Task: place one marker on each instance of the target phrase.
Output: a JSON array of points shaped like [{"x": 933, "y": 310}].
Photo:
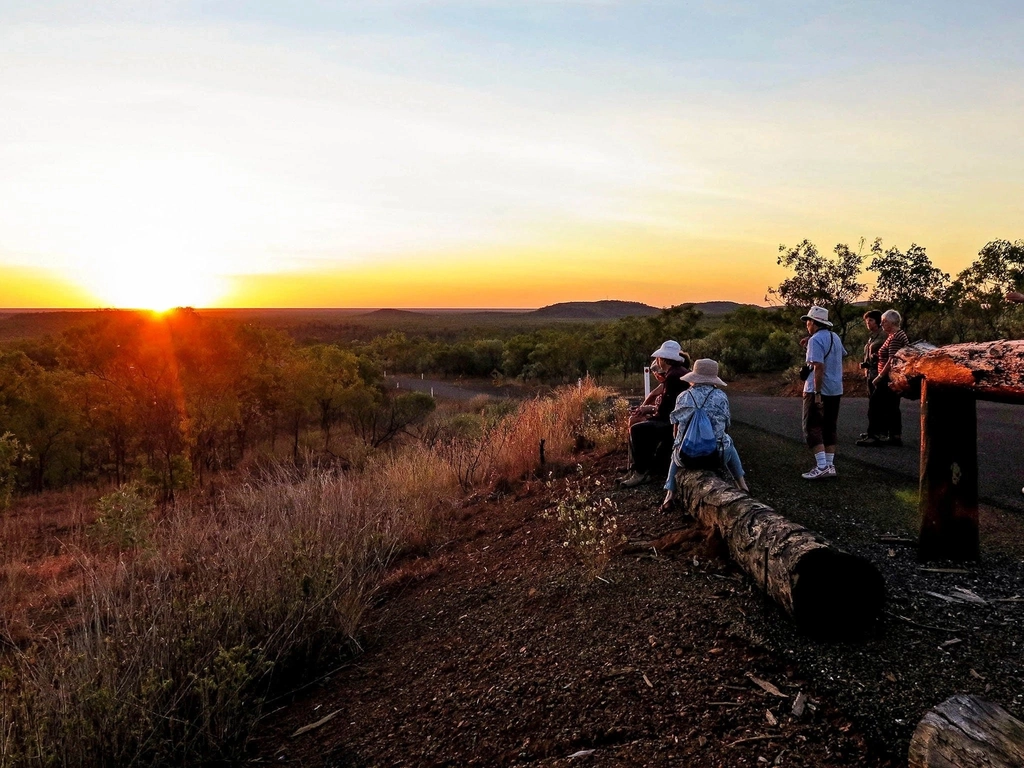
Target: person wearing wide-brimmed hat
[
  {"x": 650, "y": 439},
  {"x": 704, "y": 393},
  {"x": 823, "y": 390}
]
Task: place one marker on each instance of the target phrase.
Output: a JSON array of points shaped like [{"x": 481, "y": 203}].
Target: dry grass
[{"x": 174, "y": 633}]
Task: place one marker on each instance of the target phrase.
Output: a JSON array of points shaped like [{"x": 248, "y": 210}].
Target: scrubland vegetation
[{"x": 175, "y": 629}]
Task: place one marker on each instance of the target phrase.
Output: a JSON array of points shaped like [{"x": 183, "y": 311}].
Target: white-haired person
[
  {"x": 704, "y": 394},
  {"x": 650, "y": 439},
  {"x": 823, "y": 390},
  {"x": 884, "y": 402}
]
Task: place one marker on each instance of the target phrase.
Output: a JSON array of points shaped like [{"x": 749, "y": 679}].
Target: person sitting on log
[
  {"x": 884, "y": 403},
  {"x": 650, "y": 439},
  {"x": 704, "y": 394},
  {"x": 823, "y": 390}
]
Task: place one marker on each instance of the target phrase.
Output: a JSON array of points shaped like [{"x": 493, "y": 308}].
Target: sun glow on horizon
[{"x": 158, "y": 287}]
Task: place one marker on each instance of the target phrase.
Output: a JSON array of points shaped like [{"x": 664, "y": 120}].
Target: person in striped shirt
[{"x": 884, "y": 403}]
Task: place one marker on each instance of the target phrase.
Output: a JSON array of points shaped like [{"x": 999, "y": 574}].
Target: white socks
[
  {"x": 829, "y": 458},
  {"x": 820, "y": 457}
]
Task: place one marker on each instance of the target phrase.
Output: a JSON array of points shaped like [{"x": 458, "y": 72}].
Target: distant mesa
[
  {"x": 716, "y": 308},
  {"x": 394, "y": 314},
  {"x": 596, "y": 310}
]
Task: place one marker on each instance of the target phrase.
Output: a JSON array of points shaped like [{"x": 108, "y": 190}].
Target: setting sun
[{"x": 158, "y": 287}]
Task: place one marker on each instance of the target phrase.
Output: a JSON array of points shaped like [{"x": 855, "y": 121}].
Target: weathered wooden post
[
  {"x": 949, "y": 474},
  {"x": 952, "y": 379}
]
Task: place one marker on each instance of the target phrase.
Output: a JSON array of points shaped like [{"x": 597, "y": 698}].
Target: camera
[{"x": 805, "y": 372}]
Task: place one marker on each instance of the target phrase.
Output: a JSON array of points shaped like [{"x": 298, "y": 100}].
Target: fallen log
[
  {"x": 965, "y": 731},
  {"x": 827, "y": 592},
  {"x": 990, "y": 371}
]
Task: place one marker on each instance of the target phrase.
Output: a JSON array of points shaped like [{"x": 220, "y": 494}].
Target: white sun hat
[
  {"x": 704, "y": 371},
  {"x": 670, "y": 350},
  {"x": 818, "y": 315}
]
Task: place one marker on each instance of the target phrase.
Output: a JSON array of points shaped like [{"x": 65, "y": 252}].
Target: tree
[
  {"x": 832, "y": 283},
  {"x": 907, "y": 281},
  {"x": 332, "y": 372},
  {"x": 978, "y": 291}
]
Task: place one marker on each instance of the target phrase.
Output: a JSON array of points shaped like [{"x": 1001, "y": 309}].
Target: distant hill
[
  {"x": 595, "y": 310},
  {"x": 716, "y": 308},
  {"x": 394, "y": 314}
]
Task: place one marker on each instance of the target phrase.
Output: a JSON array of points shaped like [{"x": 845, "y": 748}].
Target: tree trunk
[
  {"x": 966, "y": 731},
  {"x": 828, "y": 592}
]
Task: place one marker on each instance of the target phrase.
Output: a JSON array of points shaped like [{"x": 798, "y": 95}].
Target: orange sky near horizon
[{"x": 421, "y": 155}]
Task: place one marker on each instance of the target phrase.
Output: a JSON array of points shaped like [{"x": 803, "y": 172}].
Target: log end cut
[
  {"x": 836, "y": 595},
  {"x": 966, "y": 731}
]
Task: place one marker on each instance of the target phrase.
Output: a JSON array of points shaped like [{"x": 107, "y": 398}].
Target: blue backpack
[{"x": 699, "y": 440}]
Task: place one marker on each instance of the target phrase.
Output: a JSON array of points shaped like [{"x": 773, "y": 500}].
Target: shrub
[
  {"x": 589, "y": 521},
  {"x": 123, "y": 518}
]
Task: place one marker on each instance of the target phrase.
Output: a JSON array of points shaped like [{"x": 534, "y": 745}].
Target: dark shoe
[{"x": 872, "y": 442}]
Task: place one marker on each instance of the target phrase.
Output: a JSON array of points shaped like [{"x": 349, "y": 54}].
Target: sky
[{"x": 423, "y": 153}]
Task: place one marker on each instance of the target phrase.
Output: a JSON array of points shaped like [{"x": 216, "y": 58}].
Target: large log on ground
[
  {"x": 966, "y": 731},
  {"x": 991, "y": 371},
  {"x": 828, "y": 592}
]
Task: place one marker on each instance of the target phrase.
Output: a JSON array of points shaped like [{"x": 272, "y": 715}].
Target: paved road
[
  {"x": 443, "y": 389},
  {"x": 1000, "y": 443}
]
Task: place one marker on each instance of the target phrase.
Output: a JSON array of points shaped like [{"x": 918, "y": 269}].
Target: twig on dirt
[
  {"x": 313, "y": 726},
  {"x": 950, "y": 628},
  {"x": 897, "y": 540},
  {"x": 941, "y": 570},
  {"x": 725, "y": 703},
  {"x": 756, "y": 738},
  {"x": 767, "y": 687}
]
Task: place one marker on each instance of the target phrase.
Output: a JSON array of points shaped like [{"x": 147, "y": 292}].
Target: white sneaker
[
  {"x": 832, "y": 470},
  {"x": 819, "y": 473}
]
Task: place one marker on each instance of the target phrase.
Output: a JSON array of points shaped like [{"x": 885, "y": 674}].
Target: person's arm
[
  {"x": 819, "y": 380},
  {"x": 818, "y": 368},
  {"x": 648, "y": 407},
  {"x": 1015, "y": 296}
]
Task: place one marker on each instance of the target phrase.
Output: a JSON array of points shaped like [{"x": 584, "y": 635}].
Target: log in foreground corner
[
  {"x": 966, "y": 731},
  {"x": 828, "y": 592}
]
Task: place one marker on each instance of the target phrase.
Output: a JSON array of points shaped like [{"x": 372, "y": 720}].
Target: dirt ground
[{"x": 501, "y": 648}]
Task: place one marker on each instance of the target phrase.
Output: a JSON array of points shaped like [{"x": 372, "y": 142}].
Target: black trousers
[
  {"x": 650, "y": 446},
  {"x": 884, "y": 416}
]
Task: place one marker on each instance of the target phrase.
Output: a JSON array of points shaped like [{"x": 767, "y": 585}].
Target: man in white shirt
[{"x": 823, "y": 390}]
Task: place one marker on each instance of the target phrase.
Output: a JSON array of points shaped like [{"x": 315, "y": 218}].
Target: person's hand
[
  {"x": 804, "y": 340},
  {"x": 1015, "y": 296}
]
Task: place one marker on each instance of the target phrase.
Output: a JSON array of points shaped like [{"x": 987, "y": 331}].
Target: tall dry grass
[{"x": 173, "y": 647}]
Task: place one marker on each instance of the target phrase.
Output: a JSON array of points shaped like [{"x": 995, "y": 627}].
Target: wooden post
[{"x": 949, "y": 473}]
